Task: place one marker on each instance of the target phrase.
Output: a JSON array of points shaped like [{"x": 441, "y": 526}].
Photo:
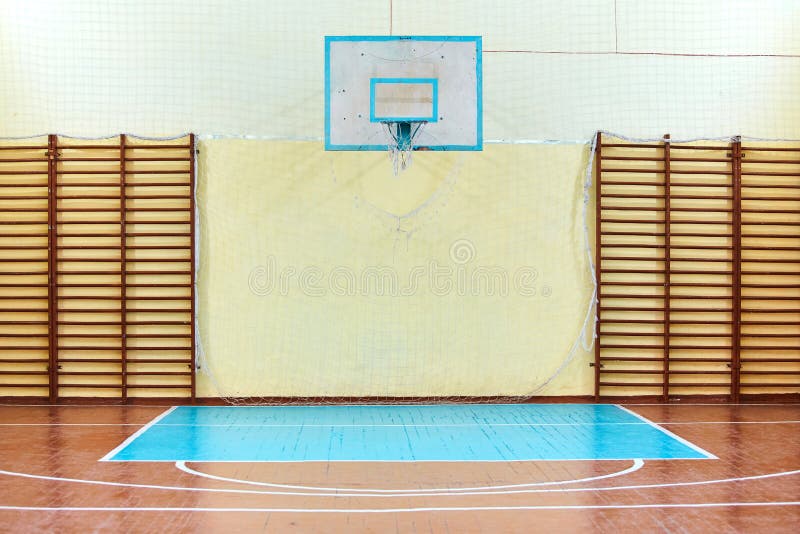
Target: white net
[
  {"x": 317, "y": 275},
  {"x": 401, "y": 139}
]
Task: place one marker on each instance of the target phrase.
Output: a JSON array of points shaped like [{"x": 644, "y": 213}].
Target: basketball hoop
[{"x": 401, "y": 136}]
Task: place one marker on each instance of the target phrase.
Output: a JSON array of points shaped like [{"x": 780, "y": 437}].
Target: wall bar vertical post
[
  {"x": 667, "y": 256},
  {"x": 597, "y": 240},
  {"x": 123, "y": 305},
  {"x": 736, "y": 293},
  {"x": 193, "y": 262},
  {"x": 52, "y": 265}
]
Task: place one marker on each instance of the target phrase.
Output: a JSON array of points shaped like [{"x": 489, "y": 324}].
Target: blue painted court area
[{"x": 507, "y": 432}]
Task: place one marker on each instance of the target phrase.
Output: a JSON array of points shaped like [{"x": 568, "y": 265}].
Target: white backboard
[{"x": 371, "y": 80}]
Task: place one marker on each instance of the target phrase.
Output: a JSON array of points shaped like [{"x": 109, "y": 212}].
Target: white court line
[
  {"x": 712, "y": 403},
  {"x": 789, "y": 422},
  {"x": 402, "y": 510},
  {"x": 417, "y": 460},
  {"x": 675, "y": 404},
  {"x": 72, "y": 424},
  {"x": 135, "y": 435},
  {"x": 262, "y": 492},
  {"x": 524, "y": 405},
  {"x": 670, "y": 434},
  {"x": 786, "y": 422},
  {"x": 354, "y": 425},
  {"x": 457, "y": 425},
  {"x": 637, "y": 464},
  {"x": 85, "y": 406}
]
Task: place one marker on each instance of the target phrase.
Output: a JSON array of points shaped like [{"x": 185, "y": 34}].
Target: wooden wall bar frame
[
  {"x": 89, "y": 184},
  {"x": 123, "y": 311},
  {"x": 667, "y": 269},
  {"x": 736, "y": 297},
  {"x": 52, "y": 266},
  {"x": 598, "y": 156},
  {"x": 706, "y": 305}
]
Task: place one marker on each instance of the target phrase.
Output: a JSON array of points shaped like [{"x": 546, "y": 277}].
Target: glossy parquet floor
[{"x": 51, "y": 480}]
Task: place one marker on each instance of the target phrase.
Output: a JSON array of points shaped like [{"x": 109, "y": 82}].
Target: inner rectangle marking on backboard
[{"x": 403, "y": 99}]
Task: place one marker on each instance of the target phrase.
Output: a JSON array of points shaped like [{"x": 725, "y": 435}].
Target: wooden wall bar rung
[
  {"x": 23, "y": 147},
  {"x": 757, "y": 148},
  {"x": 159, "y": 184},
  {"x": 617, "y": 182},
  {"x": 161, "y": 360},
  {"x": 630, "y": 171}
]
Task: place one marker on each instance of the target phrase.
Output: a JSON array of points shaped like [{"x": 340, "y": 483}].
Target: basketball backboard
[{"x": 375, "y": 81}]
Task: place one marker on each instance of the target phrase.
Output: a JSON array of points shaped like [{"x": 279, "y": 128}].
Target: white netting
[
  {"x": 552, "y": 69},
  {"x": 247, "y": 77}
]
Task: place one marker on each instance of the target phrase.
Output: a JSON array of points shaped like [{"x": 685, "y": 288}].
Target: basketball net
[{"x": 401, "y": 137}]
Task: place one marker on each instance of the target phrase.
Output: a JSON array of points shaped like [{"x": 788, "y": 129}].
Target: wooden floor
[{"x": 51, "y": 480}]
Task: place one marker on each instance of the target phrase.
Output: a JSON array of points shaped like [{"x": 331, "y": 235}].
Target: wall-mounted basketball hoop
[{"x": 403, "y": 94}]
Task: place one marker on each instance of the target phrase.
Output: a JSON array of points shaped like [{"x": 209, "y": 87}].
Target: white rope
[
  {"x": 664, "y": 139},
  {"x": 766, "y": 139},
  {"x": 534, "y": 141},
  {"x": 311, "y": 138},
  {"x": 200, "y": 361},
  {"x": 99, "y": 137},
  {"x": 729, "y": 138}
]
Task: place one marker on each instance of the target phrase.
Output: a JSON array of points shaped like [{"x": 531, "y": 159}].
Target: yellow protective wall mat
[{"x": 322, "y": 274}]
